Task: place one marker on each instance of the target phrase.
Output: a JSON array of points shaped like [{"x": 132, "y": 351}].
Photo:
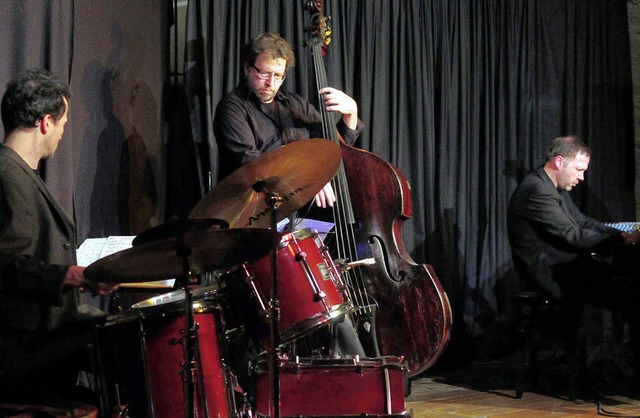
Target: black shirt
[{"x": 246, "y": 128}]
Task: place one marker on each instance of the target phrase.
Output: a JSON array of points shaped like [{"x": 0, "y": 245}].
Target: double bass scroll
[{"x": 412, "y": 314}]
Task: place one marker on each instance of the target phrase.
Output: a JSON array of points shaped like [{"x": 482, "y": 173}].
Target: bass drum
[
  {"x": 324, "y": 387},
  {"x": 140, "y": 359}
]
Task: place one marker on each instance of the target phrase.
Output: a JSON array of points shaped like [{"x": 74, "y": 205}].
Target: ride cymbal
[
  {"x": 295, "y": 173},
  {"x": 205, "y": 250}
]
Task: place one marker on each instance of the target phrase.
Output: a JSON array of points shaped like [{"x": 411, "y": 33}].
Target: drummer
[
  {"x": 260, "y": 115},
  {"x": 43, "y": 337}
]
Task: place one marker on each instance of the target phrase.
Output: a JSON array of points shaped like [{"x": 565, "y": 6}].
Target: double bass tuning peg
[{"x": 326, "y": 31}]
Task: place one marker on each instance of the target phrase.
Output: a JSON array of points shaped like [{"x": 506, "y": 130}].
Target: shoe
[
  {"x": 583, "y": 400},
  {"x": 584, "y": 396}
]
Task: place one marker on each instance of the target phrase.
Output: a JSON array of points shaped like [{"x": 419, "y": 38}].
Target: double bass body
[{"x": 413, "y": 312}]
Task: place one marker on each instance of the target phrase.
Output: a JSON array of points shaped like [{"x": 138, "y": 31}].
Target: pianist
[{"x": 553, "y": 243}]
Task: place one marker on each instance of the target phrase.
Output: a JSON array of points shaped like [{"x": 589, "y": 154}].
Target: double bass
[{"x": 400, "y": 304}]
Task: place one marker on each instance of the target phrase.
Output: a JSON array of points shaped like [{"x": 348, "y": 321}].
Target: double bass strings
[{"x": 342, "y": 212}]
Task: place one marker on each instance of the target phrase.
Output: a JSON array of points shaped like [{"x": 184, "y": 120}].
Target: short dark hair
[
  {"x": 32, "y": 95},
  {"x": 567, "y": 147},
  {"x": 271, "y": 43}
]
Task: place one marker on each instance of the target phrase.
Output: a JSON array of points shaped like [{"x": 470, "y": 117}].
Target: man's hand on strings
[
  {"x": 325, "y": 197},
  {"x": 338, "y": 101}
]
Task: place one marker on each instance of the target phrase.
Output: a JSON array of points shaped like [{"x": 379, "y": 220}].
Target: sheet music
[
  {"x": 90, "y": 250},
  {"x": 116, "y": 243},
  {"x": 93, "y": 249},
  {"x": 321, "y": 227}
]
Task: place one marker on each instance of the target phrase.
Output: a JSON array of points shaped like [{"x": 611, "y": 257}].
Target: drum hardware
[
  {"x": 180, "y": 250},
  {"x": 265, "y": 191},
  {"x": 364, "y": 262},
  {"x": 183, "y": 252},
  {"x": 150, "y": 372},
  {"x": 251, "y": 281},
  {"x": 318, "y": 294},
  {"x": 147, "y": 373},
  {"x": 120, "y": 411},
  {"x": 273, "y": 201},
  {"x": 274, "y": 185}
]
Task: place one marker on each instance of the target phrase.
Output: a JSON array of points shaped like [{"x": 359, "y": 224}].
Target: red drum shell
[
  {"x": 336, "y": 387},
  {"x": 305, "y": 270},
  {"x": 141, "y": 356}
]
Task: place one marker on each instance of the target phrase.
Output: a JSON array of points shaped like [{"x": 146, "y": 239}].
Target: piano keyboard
[{"x": 624, "y": 226}]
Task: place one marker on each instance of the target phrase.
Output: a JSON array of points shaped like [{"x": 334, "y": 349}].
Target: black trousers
[
  {"x": 603, "y": 284},
  {"x": 43, "y": 369}
]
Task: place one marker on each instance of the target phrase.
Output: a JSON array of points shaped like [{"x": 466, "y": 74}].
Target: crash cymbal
[
  {"x": 207, "y": 250},
  {"x": 295, "y": 172},
  {"x": 175, "y": 227}
]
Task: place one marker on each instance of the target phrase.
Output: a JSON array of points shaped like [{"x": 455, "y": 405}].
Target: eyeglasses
[{"x": 266, "y": 75}]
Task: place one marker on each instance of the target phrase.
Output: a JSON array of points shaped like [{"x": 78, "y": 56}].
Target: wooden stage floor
[
  {"x": 431, "y": 398},
  {"x": 486, "y": 391}
]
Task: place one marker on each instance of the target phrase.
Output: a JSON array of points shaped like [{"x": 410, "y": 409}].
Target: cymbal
[
  {"x": 207, "y": 250},
  {"x": 295, "y": 172},
  {"x": 175, "y": 227}
]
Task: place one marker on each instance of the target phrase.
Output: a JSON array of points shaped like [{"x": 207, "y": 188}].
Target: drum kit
[{"x": 167, "y": 356}]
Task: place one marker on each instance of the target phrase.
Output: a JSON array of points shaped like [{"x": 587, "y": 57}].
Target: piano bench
[{"x": 540, "y": 322}]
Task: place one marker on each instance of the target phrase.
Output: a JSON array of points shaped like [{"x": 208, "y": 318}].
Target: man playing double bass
[{"x": 260, "y": 116}]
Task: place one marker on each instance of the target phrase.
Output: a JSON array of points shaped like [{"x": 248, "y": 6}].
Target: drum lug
[
  {"x": 121, "y": 411},
  {"x": 249, "y": 279},
  {"x": 301, "y": 256},
  {"x": 319, "y": 296}
]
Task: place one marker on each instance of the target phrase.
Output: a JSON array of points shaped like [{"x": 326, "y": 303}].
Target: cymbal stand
[
  {"x": 273, "y": 201},
  {"x": 190, "y": 333}
]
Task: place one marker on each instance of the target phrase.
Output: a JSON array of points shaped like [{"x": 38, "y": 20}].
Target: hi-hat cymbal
[
  {"x": 295, "y": 172},
  {"x": 205, "y": 250},
  {"x": 177, "y": 227}
]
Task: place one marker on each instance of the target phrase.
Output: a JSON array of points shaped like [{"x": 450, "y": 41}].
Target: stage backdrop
[
  {"x": 461, "y": 96},
  {"x": 109, "y": 168}
]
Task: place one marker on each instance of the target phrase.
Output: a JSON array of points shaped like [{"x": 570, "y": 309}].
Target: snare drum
[
  {"x": 200, "y": 293},
  {"x": 141, "y": 357},
  {"x": 322, "y": 387},
  {"x": 310, "y": 289}
]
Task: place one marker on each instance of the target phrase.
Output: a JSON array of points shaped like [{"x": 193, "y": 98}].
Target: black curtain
[
  {"x": 39, "y": 33},
  {"x": 462, "y": 97}
]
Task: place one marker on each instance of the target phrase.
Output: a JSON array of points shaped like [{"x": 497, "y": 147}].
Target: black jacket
[
  {"x": 546, "y": 229},
  {"x": 37, "y": 244}
]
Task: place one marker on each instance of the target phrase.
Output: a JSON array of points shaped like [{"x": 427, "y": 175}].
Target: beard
[{"x": 266, "y": 95}]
